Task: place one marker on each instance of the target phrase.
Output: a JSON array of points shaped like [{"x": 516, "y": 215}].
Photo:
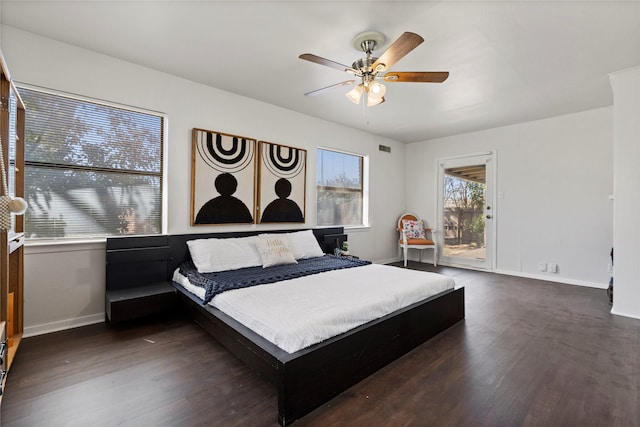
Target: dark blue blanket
[{"x": 215, "y": 283}]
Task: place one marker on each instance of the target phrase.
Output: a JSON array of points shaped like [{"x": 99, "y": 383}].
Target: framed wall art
[
  {"x": 281, "y": 183},
  {"x": 223, "y": 175}
]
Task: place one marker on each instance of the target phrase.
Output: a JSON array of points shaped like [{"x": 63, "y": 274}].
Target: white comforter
[{"x": 294, "y": 314}]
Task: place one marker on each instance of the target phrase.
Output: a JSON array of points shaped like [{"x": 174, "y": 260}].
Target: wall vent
[{"x": 384, "y": 148}]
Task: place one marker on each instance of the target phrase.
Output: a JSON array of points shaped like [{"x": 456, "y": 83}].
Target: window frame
[
  {"x": 364, "y": 177},
  {"x": 162, "y": 175}
]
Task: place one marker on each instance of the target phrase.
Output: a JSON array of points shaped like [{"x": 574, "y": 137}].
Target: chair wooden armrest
[{"x": 403, "y": 235}]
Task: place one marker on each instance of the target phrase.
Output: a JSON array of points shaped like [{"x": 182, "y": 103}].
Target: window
[
  {"x": 91, "y": 169},
  {"x": 341, "y": 187}
]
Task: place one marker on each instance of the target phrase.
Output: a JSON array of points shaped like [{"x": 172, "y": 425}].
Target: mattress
[{"x": 297, "y": 313}]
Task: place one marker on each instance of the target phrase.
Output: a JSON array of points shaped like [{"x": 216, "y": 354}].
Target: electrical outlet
[
  {"x": 553, "y": 268},
  {"x": 542, "y": 267}
]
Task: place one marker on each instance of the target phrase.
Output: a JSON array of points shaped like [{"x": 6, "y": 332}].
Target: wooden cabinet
[
  {"x": 12, "y": 119},
  {"x": 4, "y": 346}
]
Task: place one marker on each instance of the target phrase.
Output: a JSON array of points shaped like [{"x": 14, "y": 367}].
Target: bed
[{"x": 305, "y": 378}]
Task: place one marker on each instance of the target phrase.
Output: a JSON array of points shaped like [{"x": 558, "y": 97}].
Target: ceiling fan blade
[
  {"x": 322, "y": 61},
  {"x": 416, "y": 76},
  {"x": 318, "y": 91},
  {"x": 403, "y": 45}
]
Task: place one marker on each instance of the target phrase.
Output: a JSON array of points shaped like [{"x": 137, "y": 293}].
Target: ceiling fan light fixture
[
  {"x": 355, "y": 94},
  {"x": 377, "y": 90},
  {"x": 371, "y": 101}
]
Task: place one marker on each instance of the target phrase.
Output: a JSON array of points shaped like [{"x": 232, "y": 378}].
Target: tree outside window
[
  {"x": 463, "y": 209},
  {"x": 91, "y": 170}
]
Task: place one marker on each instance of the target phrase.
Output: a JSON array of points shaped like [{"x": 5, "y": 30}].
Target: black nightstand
[
  {"x": 136, "y": 282},
  {"x": 140, "y": 301}
]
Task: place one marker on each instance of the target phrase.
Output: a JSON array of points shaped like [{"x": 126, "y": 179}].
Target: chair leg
[
  {"x": 404, "y": 251},
  {"x": 435, "y": 256}
]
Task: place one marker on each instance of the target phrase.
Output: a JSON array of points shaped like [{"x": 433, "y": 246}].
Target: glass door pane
[{"x": 463, "y": 219}]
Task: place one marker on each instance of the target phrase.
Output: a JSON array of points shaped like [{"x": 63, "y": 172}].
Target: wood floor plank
[{"x": 529, "y": 353}]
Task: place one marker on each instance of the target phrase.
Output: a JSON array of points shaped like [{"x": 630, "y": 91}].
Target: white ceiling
[{"x": 509, "y": 61}]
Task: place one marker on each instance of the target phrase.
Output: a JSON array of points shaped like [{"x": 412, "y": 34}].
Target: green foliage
[
  {"x": 464, "y": 199},
  {"x": 476, "y": 225},
  {"x": 476, "y": 195}
]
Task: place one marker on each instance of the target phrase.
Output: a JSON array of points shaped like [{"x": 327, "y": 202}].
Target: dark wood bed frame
[{"x": 312, "y": 376}]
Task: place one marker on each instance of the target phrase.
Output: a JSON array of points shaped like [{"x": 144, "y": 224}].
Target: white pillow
[
  {"x": 302, "y": 244},
  {"x": 274, "y": 251},
  {"x": 213, "y": 255}
]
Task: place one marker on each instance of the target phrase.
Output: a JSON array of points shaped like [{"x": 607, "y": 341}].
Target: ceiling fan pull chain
[{"x": 365, "y": 106}]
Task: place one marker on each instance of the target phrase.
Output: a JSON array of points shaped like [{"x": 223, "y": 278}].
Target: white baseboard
[
  {"x": 46, "y": 328},
  {"x": 620, "y": 313},
  {"x": 547, "y": 278}
]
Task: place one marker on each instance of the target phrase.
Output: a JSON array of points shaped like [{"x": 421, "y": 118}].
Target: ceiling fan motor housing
[{"x": 364, "y": 65}]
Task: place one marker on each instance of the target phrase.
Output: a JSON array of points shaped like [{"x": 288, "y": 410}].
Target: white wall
[
  {"x": 64, "y": 285},
  {"x": 626, "y": 161},
  {"x": 556, "y": 176}
]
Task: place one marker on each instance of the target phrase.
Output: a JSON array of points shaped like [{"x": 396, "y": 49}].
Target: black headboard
[{"x": 140, "y": 260}]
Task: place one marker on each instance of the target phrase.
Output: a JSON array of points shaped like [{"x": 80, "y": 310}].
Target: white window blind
[
  {"x": 340, "y": 188},
  {"x": 91, "y": 169}
]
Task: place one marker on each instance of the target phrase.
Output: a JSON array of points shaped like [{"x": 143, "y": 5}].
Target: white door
[{"x": 466, "y": 215}]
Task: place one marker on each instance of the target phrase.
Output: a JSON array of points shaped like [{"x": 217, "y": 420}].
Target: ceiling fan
[{"x": 370, "y": 69}]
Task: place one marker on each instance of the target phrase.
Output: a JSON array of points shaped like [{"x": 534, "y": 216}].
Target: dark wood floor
[{"x": 529, "y": 353}]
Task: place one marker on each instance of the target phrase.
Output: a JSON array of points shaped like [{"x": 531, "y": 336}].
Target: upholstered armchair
[{"x": 414, "y": 235}]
